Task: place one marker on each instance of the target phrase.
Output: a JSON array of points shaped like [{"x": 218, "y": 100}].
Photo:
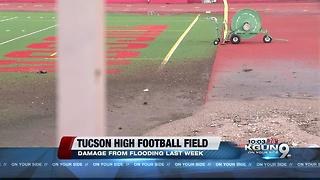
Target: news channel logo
[{"x": 268, "y": 148}]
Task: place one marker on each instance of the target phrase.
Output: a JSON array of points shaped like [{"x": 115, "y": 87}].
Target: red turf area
[
  {"x": 293, "y": 55},
  {"x": 126, "y": 44}
]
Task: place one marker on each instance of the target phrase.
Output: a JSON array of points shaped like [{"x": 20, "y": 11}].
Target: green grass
[{"x": 196, "y": 46}]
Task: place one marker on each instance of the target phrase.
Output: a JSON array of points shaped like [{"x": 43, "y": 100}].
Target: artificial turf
[
  {"x": 28, "y": 100},
  {"x": 197, "y": 45}
]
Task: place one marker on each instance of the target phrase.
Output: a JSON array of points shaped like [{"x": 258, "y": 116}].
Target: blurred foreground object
[{"x": 81, "y": 68}]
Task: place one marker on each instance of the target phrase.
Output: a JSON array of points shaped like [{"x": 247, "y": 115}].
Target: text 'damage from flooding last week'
[{"x": 136, "y": 147}]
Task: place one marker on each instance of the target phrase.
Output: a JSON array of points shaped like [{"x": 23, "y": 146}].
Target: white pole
[
  {"x": 225, "y": 20},
  {"x": 81, "y": 69}
]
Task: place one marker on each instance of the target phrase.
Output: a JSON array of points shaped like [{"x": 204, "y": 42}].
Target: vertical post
[
  {"x": 81, "y": 68},
  {"x": 225, "y": 20}
]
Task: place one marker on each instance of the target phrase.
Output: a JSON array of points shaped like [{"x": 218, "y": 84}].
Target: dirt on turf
[
  {"x": 295, "y": 121},
  {"x": 27, "y": 109},
  {"x": 154, "y": 97}
]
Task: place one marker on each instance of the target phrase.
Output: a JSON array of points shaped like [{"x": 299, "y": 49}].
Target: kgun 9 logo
[{"x": 268, "y": 148}]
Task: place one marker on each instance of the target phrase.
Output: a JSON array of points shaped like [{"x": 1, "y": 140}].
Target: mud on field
[
  {"x": 175, "y": 92},
  {"x": 295, "y": 121},
  {"x": 28, "y": 103},
  {"x": 27, "y": 111}
]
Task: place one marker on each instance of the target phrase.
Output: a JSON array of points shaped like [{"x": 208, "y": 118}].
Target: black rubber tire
[
  {"x": 217, "y": 41},
  {"x": 267, "y": 39},
  {"x": 235, "y": 39}
]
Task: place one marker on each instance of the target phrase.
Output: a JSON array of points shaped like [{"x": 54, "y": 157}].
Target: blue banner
[{"x": 229, "y": 161}]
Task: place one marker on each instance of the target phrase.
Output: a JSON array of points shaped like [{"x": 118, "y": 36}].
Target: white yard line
[
  {"x": 26, "y": 35},
  {"x": 176, "y": 45},
  {"x": 8, "y": 19}
]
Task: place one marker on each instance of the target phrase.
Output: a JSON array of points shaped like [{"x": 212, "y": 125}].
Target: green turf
[
  {"x": 196, "y": 46},
  {"x": 25, "y": 23}
]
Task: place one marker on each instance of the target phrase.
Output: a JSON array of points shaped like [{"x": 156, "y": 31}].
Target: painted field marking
[
  {"x": 8, "y": 19},
  {"x": 281, "y": 39},
  {"x": 26, "y": 35},
  {"x": 52, "y": 55},
  {"x": 176, "y": 45}
]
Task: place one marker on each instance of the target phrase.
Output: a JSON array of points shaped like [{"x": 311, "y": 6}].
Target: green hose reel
[{"x": 246, "y": 24}]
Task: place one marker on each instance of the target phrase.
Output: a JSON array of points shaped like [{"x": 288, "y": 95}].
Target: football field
[
  {"x": 158, "y": 70},
  {"x": 165, "y": 77},
  {"x": 28, "y": 41}
]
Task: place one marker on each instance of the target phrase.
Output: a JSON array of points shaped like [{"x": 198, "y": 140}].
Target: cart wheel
[
  {"x": 267, "y": 39},
  {"x": 217, "y": 41},
  {"x": 235, "y": 39}
]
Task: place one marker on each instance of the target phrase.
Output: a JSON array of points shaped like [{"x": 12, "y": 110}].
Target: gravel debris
[{"x": 294, "y": 121}]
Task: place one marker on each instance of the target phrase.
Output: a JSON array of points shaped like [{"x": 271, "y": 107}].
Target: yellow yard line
[
  {"x": 176, "y": 45},
  {"x": 54, "y": 54}
]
